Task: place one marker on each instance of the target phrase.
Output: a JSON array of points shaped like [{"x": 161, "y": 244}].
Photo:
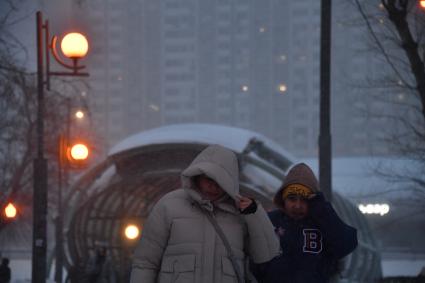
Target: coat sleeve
[
  {"x": 340, "y": 238},
  {"x": 148, "y": 254},
  {"x": 262, "y": 240}
]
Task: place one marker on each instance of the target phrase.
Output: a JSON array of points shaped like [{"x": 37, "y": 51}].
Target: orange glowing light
[
  {"x": 79, "y": 151},
  {"x": 10, "y": 211},
  {"x": 74, "y": 45},
  {"x": 422, "y": 3},
  {"x": 131, "y": 231}
]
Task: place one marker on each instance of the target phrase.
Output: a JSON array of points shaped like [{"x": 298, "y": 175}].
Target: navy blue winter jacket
[{"x": 310, "y": 247}]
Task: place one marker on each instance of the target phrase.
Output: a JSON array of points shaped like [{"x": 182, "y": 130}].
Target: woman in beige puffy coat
[{"x": 179, "y": 243}]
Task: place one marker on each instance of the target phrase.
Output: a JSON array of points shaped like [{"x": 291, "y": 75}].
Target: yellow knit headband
[{"x": 296, "y": 189}]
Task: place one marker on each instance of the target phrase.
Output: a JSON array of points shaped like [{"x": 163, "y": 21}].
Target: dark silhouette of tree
[
  {"x": 397, "y": 30},
  {"x": 17, "y": 89},
  {"x": 18, "y": 92}
]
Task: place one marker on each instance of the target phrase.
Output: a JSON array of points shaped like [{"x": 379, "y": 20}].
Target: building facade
[{"x": 249, "y": 64}]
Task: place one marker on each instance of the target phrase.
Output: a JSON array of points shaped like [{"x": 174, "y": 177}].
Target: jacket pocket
[
  {"x": 178, "y": 268},
  {"x": 229, "y": 274}
]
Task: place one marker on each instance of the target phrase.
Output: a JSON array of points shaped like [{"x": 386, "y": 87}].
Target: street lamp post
[
  {"x": 72, "y": 155},
  {"x": 325, "y": 140},
  {"x": 39, "y": 245},
  {"x": 62, "y": 182}
]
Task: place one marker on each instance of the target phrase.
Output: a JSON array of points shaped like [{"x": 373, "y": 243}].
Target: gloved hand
[
  {"x": 317, "y": 203},
  {"x": 252, "y": 208},
  {"x": 317, "y": 197},
  {"x": 246, "y": 205}
]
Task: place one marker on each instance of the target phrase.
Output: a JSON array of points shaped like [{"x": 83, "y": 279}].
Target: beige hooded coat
[{"x": 178, "y": 242}]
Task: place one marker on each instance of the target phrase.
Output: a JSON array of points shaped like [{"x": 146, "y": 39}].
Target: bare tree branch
[
  {"x": 378, "y": 42},
  {"x": 397, "y": 13}
]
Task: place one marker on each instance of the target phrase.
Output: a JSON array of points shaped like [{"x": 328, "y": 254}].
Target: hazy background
[{"x": 249, "y": 64}]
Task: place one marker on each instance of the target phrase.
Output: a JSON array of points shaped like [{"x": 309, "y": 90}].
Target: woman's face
[{"x": 209, "y": 188}]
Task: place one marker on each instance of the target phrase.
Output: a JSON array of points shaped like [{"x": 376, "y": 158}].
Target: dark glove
[
  {"x": 252, "y": 208},
  {"x": 317, "y": 204},
  {"x": 317, "y": 197}
]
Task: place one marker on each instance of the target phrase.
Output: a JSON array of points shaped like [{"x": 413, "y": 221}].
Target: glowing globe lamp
[{"x": 74, "y": 45}]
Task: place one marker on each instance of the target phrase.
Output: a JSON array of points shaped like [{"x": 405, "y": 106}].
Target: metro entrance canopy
[{"x": 121, "y": 190}]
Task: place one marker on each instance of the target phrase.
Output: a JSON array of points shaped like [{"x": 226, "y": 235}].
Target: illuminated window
[{"x": 282, "y": 88}]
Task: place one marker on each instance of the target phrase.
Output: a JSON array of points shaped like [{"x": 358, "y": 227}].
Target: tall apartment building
[
  {"x": 162, "y": 62},
  {"x": 349, "y": 66},
  {"x": 304, "y": 76},
  {"x": 249, "y": 64},
  {"x": 209, "y": 63},
  {"x": 124, "y": 68}
]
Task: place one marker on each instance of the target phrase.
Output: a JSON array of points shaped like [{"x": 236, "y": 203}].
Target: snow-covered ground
[
  {"x": 21, "y": 271},
  {"x": 409, "y": 265}
]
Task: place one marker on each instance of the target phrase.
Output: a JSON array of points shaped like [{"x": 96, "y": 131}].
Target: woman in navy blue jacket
[{"x": 312, "y": 236}]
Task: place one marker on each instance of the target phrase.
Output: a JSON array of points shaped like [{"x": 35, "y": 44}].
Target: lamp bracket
[{"x": 55, "y": 53}]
